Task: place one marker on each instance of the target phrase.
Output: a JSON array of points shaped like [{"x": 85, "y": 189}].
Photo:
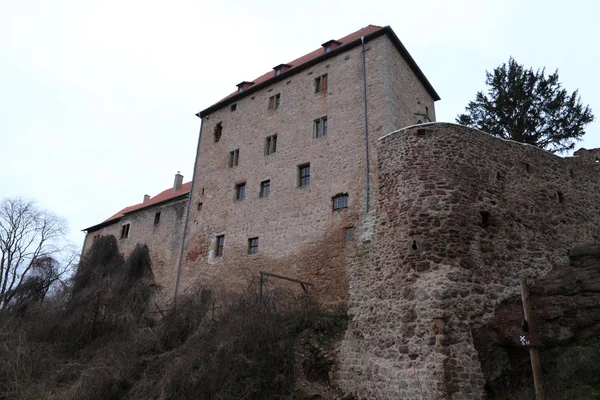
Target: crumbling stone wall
[{"x": 461, "y": 217}]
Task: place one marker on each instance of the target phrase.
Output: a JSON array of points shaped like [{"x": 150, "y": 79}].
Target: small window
[
  {"x": 234, "y": 107},
  {"x": 202, "y": 191},
  {"x": 304, "y": 175},
  {"x": 277, "y": 71},
  {"x": 95, "y": 238},
  {"x": 125, "y": 231},
  {"x": 240, "y": 89},
  {"x": 219, "y": 245},
  {"x": 234, "y": 157},
  {"x": 218, "y": 131},
  {"x": 327, "y": 48},
  {"x": 274, "y": 101},
  {"x": 157, "y": 218},
  {"x": 340, "y": 201},
  {"x": 349, "y": 232},
  {"x": 240, "y": 191},
  {"x": 265, "y": 188},
  {"x": 199, "y": 206},
  {"x": 253, "y": 245},
  {"x": 321, "y": 84},
  {"x": 320, "y": 127},
  {"x": 270, "y": 144}
]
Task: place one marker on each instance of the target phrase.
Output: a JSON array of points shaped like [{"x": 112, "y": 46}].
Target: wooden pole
[{"x": 534, "y": 353}]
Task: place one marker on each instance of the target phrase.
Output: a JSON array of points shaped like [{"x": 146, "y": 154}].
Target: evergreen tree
[{"x": 528, "y": 107}]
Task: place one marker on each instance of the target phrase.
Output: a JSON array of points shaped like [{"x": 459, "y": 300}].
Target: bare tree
[{"x": 32, "y": 247}]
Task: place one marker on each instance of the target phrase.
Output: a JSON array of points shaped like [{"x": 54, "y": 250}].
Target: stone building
[
  {"x": 286, "y": 166},
  {"x": 158, "y": 222}
]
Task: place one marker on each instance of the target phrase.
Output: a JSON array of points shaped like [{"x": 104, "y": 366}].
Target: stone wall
[
  {"x": 461, "y": 217},
  {"x": 299, "y": 234},
  {"x": 163, "y": 239}
]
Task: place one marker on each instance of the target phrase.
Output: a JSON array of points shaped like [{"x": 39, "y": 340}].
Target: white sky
[{"x": 97, "y": 98}]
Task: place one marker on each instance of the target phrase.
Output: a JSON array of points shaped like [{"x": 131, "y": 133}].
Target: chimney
[
  {"x": 178, "y": 181},
  {"x": 146, "y": 198}
]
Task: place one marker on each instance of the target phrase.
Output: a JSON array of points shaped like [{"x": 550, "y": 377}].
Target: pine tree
[{"x": 528, "y": 107}]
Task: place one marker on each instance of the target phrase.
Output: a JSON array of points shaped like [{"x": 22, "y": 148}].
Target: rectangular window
[
  {"x": 253, "y": 245},
  {"x": 199, "y": 206},
  {"x": 274, "y": 101},
  {"x": 349, "y": 231},
  {"x": 321, "y": 84},
  {"x": 320, "y": 127},
  {"x": 340, "y": 201},
  {"x": 304, "y": 175},
  {"x": 234, "y": 107},
  {"x": 265, "y": 188},
  {"x": 270, "y": 145},
  {"x": 156, "y": 218},
  {"x": 234, "y": 157},
  {"x": 219, "y": 245},
  {"x": 125, "y": 231},
  {"x": 240, "y": 191}
]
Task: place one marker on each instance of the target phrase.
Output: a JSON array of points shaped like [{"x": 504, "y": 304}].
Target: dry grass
[{"x": 100, "y": 344}]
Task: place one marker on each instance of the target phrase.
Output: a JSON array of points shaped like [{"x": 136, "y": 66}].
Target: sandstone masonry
[{"x": 462, "y": 216}]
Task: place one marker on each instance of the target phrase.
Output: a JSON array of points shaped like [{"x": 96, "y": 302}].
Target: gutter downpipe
[
  {"x": 367, "y": 168},
  {"x": 187, "y": 216}
]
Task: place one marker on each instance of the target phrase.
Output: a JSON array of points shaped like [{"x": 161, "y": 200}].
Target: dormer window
[
  {"x": 281, "y": 68},
  {"x": 330, "y": 45},
  {"x": 244, "y": 85}
]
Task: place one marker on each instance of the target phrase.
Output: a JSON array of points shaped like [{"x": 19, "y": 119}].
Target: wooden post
[{"x": 534, "y": 353}]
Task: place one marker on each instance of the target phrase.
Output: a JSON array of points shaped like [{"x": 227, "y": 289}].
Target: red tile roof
[
  {"x": 305, "y": 61},
  {"x": 312, "y": 55},
  {"x": 163, "y": 196}
]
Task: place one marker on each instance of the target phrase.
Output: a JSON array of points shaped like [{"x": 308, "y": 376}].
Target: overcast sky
[{"x": 97, "y": 98}]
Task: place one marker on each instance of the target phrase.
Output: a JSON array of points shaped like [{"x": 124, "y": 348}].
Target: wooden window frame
[
  {"x": 265, "y": 188},
  {"x": 304, "y": 175},
  {"x": 219, "y": 245},
  {"x": 253, "y": 245},
  {"x": 234, "y": 158},
  {"x": 240, "y": 191},
  {"x": 320, "y": 127},
  {"x": 270, "y": 145},
  {"x": 321, "y": 84}
]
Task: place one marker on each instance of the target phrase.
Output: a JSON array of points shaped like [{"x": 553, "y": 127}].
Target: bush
[{"x": 101, "y": 345}]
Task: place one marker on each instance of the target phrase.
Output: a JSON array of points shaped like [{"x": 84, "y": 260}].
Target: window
[
  {"x": 274, "y": 101},
  {"x": 199, "y": 206},
  {"x": 349, "y": 232},
  {"x": 219, "y": 244},
  {"x": 125, "y": 231},
  {"x": 202, "y": 191},
  {"x": 327, "y": 48},
  {"x": 270, "y": 145},
  {"x": 240, "y": 191},
  {"x": 304, "y": 175},
  {"x": 240, "y": 89},
  {"x": 156, "y": 218},
  {"x": 95, "y": 238},
  {"x": 234, "y": 107},
  {"x": 321, "y": 84},
  {"x": 218, "y": 131},
  {"x": 320, "y": 127},
  {"x": 265, "y": 188},
  {"x": 340, "y": 201},
  {"x": 277, "y": 71},
  {"x": 234, "y": 157},
  {"x": 253, "y": 245}
]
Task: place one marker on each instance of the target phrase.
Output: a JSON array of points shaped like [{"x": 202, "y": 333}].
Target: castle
[
  {"x": 331, "y": 169},
  {"x": 285, "y": 170}
]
